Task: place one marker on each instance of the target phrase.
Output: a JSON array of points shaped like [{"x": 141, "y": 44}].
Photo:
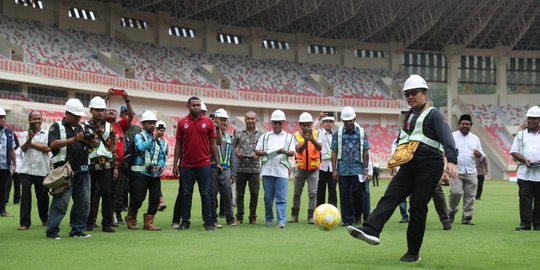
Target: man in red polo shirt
[{"x": 195, "y": 138}]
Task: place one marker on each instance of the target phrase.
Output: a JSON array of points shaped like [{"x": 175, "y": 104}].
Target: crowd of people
[{"x": 119, "y": 163}]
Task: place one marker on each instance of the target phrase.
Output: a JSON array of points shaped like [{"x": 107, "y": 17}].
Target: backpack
[{"x": 129, "y": 155}]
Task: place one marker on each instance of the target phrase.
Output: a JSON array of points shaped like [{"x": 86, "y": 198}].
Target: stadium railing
[{"x": 146, "y": 86}]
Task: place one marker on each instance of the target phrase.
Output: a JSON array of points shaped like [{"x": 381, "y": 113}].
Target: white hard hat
[
  {"x": 161, "y": 123},
  {"x": 221, "y": 113},
  {"x": 414, "y": 82},
  {"x": 347, "y": 114},
  {"x": 203, "y": 106},
  {"x": 305, "y": 117},
  {"x": 75, "y": 107},
  {"x": 277, "y": 115},
  {"x": 97, "y": 103},
  {"x": 2, "y": 112},
  {"x": 328, "y": 118},
  {"x": 148, "y": 116},
  {"x": 534, "y": 111}
]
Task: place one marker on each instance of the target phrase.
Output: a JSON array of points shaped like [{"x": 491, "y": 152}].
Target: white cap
[
  {"x": 2, "y": 112},
  {"x": 203, "y": 106},
  {"x": 161, "y": 123},
  {"x": 305, "y": 117},
  {"x": 97, "y": 103},
  {"x": 221, "y": 113},
  {"x": 148, "y": 116},
  {"x": 278, "y": 115},
  {"x": 414, "y": 82},
  {"x": 347, "y": 114},
  {"x": 75, "y": 107},
  {"x": 534, "y": 111},
  {"x": 328, "y": 118}
]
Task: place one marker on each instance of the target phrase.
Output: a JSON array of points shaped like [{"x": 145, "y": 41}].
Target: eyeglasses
[
  {"x": 277, "y": 122},
  {"x": 411, "y": 93}
]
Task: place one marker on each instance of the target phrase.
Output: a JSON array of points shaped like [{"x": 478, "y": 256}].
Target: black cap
[{"x": 466, "y": 117}]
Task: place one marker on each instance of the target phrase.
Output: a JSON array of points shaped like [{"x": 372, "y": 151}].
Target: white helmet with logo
[
  {"x": 277, "y": 115},
  {"x": 75, "y": 107},
  {"x": 97, "y": 103},
  {"x": 534, "y": 111},
  {"x": 414, "y": 82},
  {"x": 148, "y": 116},
  {"x": 2, "y": 112},
  {"x": 347, "y": 114},
  {"x": 305, "y": 117},
  {"x": 221, "y": 113}
]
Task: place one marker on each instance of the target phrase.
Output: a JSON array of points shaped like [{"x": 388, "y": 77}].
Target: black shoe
[
  {"x": 108, "y": 229},
  {"x": 183, "y": 227},
  {"x": 467, "y": 222},
  {"x": 447, "y": 225},
  {"x": 524, "y": 228},
  {"x": 79, "y": 235},
  {"x": 53, "y": 236},
  {"x": 361, "y": 234},
  {"x": 119, "y": 220},
  {"x": 410, "y": 258},
  {"x": 404, "y": 220},
  {"x": 209, "y": 227},
  {"x": 89, "y": 228}
]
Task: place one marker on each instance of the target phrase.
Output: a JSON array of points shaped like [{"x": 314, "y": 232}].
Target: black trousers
[
  {"x": 16, "y": 185},
  {"x": 375, "y": 179},
  {"x": 325, "y": 179},
  {"x": 254, "y": 182},
  {"x": 221, "y": 183},
  {"x": 480, "y": 186},
  {"x": 351, "y": 198},
  {"x": 141, "y": 184},
  {"x": 5, "y": 180},
  {"x": 101, "y": 186},
  {"x": 26, "y": 200},
  {"x": 529, "y": 203},
  {"x": 417, "y": 180},
  {"x": 177, "y": 212},
  {"x": 120, "y": 190}
]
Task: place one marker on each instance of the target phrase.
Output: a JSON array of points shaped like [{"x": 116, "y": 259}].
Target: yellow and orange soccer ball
[{"x": 326, "y": 217}]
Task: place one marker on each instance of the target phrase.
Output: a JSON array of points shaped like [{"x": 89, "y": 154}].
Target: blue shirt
[
  {"x": 350, "y": 164},
  {"x": 143, "y": 145},
  {"x": 4, "y": 152}
]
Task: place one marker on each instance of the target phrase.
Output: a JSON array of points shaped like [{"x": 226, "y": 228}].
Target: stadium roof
[{"x": 419, "y": 24}]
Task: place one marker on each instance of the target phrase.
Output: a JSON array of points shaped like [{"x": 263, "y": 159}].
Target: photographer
[
  {"x": 103, "y": 166},
  {"x": 68, "y": 144},
  {"x": 149, "y": 163},
  {"x": 34, "y": 168}
]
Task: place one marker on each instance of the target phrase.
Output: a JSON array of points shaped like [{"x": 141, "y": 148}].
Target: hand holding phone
[{"x": 116, "y": 92}]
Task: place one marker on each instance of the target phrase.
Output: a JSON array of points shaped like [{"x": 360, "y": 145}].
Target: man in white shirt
[
  {"x": 275, "y": 148},
  {"x": 325, "y": 170},
  {"x": 34, "y": 168},
  {"x": 526, "y": 151},
  {"x": 465, "y": 184}
]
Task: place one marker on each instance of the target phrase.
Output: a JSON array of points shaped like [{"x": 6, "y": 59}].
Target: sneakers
[
  {"x": 523, "y": 228},
  {"x": 107, "y": 229},
  {"x": 359, "y": 233},
  {"x": 79, "y": 235},
  {"x": 209, "y": 227},
  {"x": 269, "y": 224},
  {"x": 280, "y": 226},
  {"x": 404, "y": 220},
  {"x": 175, "y": 225},
  {"x": 467, "y": 222},
  {"x": 183, "y": 227},
  {"x": 217, "y": 225},
  {"x": 447, "y": 225},
  {"x": 410, "y": 258},
  {"x": 53, "y": 236}
]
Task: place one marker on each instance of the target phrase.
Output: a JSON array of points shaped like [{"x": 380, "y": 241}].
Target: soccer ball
[{"x": 326, "y": 217}]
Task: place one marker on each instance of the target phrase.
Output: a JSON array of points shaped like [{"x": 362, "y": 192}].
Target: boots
[
  {"x": 294, "y": 215},
  {"x": 131, "y": 220},
  {"x": 310, "y": 216},
  {"x": 148, "y": 220},
  {"x": 161, "y": 205}
]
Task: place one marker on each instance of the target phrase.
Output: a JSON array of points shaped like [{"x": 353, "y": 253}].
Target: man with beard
[{"x": 465, "y": 184}]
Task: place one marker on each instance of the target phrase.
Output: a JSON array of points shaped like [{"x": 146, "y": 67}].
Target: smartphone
[
  {"x": 329, "y": 113},
  {"x": 161, "y": 126},
  {"x": 212, "y": 116},
  {"x": 117, "y": 92},
  {"x": 33, "y": 127}
]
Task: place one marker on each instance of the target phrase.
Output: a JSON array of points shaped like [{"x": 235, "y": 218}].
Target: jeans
[
  {"x": 188, "y": 177},
  {"x": 253, "y": 179},
  {"x": 403, "y": 209},
  {"x": 26, "y": 200},
  {"x": 351, "y": 196},
  {"x": 80, "y": 191},
  {"x": 142, "y": 183},
  {"x": 275, "y": 188}
]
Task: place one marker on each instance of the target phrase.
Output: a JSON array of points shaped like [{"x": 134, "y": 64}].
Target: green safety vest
[
  {"x": 62, "y": 153},
  {"x": 102, "y": 150},
  {"x": 326, "y": 143},
  {"x": 225, "y": 160},
  {"x": 418, "y": 133},
  {"x": 148, "y": 160},
  {"x": 521, "y": 144},
  {"x": 340, "y": 141},
  {"x": 284, "y": 160}
]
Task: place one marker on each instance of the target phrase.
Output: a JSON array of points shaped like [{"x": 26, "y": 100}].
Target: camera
[
  {"x": 161, "y": 126},
  {"x": 88, "y": 133},
  {"x": 212, "y": 116}
]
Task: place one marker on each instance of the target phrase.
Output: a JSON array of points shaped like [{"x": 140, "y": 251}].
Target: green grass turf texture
[{"x": 490, "y": 244}]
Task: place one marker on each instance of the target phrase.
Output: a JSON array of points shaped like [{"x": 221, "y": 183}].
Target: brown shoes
[
  {"x": 253, "y": 221},
  {"x": 131, "y": 220},
  {"x": 23, "y": 228},
  {"x": 148, "y": 223}
]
